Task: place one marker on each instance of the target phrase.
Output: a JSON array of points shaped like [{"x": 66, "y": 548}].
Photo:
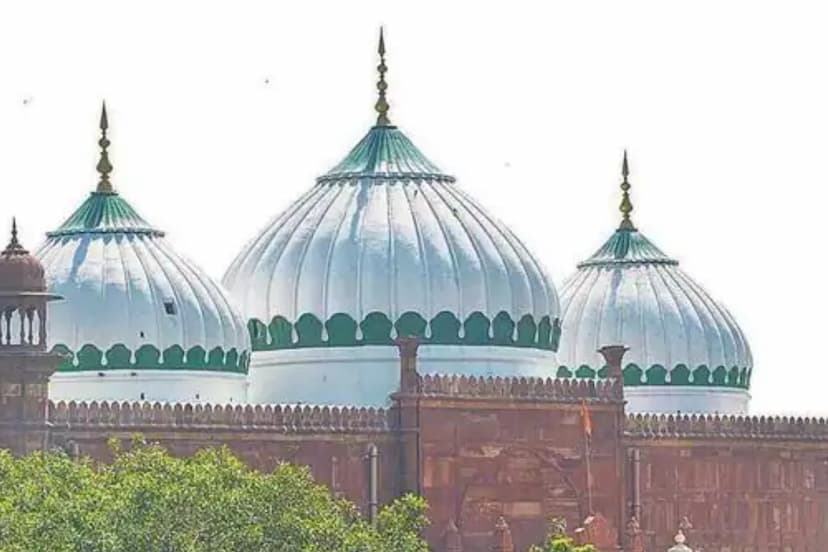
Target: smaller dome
[
  {"x": 19, "y": 270},
  {"x": 686, "y": 351},
  {"x": 138, "y": 320}
]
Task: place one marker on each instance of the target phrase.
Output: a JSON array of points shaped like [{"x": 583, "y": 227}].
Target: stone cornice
[{"x": 663, "y": 427}]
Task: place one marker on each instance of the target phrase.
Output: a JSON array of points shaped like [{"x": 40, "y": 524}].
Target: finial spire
[
  {"x": 14, "y": 246},
  {"x": 626, "y": 205},
  {"x": 104, "y": 166},
  {"x": 382, "y": 105}
]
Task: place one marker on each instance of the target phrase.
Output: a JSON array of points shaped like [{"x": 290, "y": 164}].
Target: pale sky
[{"x": 222, "y": 113}]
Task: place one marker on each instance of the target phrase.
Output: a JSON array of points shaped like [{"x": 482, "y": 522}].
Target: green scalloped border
[
  {"x": 149, "y": 357},
  {"x": 376, "y": 328},
  {"x": 680, "y": 375}
]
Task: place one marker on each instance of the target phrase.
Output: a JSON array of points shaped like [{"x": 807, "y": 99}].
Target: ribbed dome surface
[
  {"x": 631, "y": 293},
  {"x": 385, "y": 231},
  {"x": 386, "y": 245},
  {"x": 130, "y": 301}
]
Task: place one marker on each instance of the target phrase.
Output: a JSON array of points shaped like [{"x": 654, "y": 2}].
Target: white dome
[
  {"x": 138, "y": 321},
  {"x": 686, "y": 351},
  {"x": 385, "y": 244}
]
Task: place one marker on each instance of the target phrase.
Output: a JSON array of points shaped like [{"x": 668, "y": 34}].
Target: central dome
[
  {"x": 387, "y": 245},
  {"x": 387, "y": 233}
]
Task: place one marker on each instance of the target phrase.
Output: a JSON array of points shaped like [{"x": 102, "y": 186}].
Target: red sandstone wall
[
  {"x": 333, "y": 446},
  {"x": 743, "y": 490},
  {"x": 517, "y": 456},
  {"x": 515, "y": 448},
  {"x": 487, "y": 448}
]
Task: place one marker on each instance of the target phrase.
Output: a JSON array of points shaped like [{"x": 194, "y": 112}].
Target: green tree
[
  {"x": 557, "y": 541},
  {"x": 147, "y": 501}
]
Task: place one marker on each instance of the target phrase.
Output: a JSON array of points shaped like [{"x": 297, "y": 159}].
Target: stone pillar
[
  {"x": 634, "y": 464},
  {"x": 614, "y": 356},
  {"x": 409, "y": 378},
  {"x": 373, "y": 484},
  {"x": 408, "y": 416},
  {"x": 502, "y": 537}
]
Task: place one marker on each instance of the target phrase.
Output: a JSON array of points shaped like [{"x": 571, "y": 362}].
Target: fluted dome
[
  {"x": 138, "y": 320},
  {"x": 387, "y": 232},
  {"x": 385, "y": 245},
  {"x": 686, "y": 351}
]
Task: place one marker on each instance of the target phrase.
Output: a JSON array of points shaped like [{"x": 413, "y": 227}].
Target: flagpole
[
  {"x": 586, "y": 418},
  {"x": 588, "y": 450}
]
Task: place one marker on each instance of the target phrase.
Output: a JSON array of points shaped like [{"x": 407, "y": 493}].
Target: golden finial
[
  {"x": 382, "y": 105},
  {"x": 626, "y": 205},
  {"x": 104, "y": 166}
]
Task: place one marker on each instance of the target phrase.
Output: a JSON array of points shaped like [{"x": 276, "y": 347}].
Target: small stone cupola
[
  {"x": 23, "y": 297},
  {"x": 25, "y": 364}
]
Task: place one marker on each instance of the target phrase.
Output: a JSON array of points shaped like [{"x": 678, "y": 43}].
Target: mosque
[
  {"x": 383, "y": 245},
  {"x": 385, "y": 253}
]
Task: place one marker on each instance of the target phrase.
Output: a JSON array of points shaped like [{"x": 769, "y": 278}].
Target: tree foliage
[
  {"x": 147, "y": 500},
  {"x": 557, "y": 541}
]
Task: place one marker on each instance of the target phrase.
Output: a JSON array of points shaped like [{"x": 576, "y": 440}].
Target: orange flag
[{"x": 586, "y": 417}]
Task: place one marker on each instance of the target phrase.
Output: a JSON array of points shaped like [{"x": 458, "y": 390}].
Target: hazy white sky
[{"x": 223, "y": 112}]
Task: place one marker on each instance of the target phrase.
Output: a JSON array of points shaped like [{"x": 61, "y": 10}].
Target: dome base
[
  {"x": 150, "y": 385},
  {"x": 687, "y": 400},
  {"x": 366, "y": 376}
]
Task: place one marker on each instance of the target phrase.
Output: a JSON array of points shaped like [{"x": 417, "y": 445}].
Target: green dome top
[
  {"x": 627, "y": 246},
  {"x": 385, "y": 152},
  {"x": 104, "y": 212}
]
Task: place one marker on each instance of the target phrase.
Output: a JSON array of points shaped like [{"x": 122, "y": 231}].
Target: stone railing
[
  {"x": 652, "y": 426},
  {"x": 527, "y": 389},
  {"x": 285, "y": 419}
]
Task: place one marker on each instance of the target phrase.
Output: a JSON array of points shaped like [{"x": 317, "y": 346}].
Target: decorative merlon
[
  {"x": 662, "y": 426},
  {"x": 635, "y": 539},
  {"x": 521, "y": 388},
  {"x": 502, "y": 537},
  {"x": 285, "y": 419}
]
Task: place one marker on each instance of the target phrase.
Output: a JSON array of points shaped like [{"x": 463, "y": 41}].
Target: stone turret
[
  {"x": 502, "y": 537},
  {"x": 25, "y": 363}
]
